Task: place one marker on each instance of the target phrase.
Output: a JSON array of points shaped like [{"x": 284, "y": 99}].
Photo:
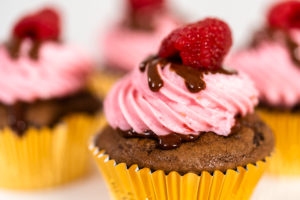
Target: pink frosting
[
  {"x": 125, "y": 48},
  {"x": 131, "y": 104},
  {"x": 59, "y": 71},
  {"x": 275, "y": 75}
]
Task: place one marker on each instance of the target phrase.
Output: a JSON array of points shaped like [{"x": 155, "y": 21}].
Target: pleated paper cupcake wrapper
[
  {"x": 46, "y": 157},
  {"x": 133, "y": 183},
  {"x": 286, "y": 128},
  {"x": 101, "y": 82}
]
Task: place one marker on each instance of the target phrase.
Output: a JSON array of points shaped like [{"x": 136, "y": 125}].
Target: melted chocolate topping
[
  {"x": 193, "y": 77},
  {"x": 274, "y": 35},
  {"x": 174, "y": 140},
  {"x": 170, "y": 141},
  {"x": 16, "y": 116},
  {"x": 14, "y": 45}
]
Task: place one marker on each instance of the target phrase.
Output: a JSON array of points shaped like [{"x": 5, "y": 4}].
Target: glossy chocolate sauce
[
  {"x": 13, "y": 47},
  {"x": 275, "y": 35},
  {"x": 174, "y": 140},
  {"x": 193, "y": 77},
  {"x": 16, "y": 118},
  {"x": 170, "y": 141}
]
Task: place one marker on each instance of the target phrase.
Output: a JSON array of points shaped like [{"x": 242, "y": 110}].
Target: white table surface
[{"x": 92, "y": 187}]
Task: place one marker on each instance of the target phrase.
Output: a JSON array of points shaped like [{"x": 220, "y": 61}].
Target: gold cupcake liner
[
  {"x": 133, "y": 183},
  {"x": 101, "y": 82},
  {"x": 48, "y": 156},
  {"x": 286, "y": 128}
]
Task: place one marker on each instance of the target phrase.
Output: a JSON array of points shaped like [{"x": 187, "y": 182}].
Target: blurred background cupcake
[
  {"x": 272, "y": 60},
  {"x": 181, "y": 126},
  {"x": 47, "y": 112},
  {"x": 134, "y": 37}
]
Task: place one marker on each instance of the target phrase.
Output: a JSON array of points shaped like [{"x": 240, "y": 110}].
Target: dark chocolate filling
[
  {"x": 193, "y": 77},
  {"x": 21, "y": 115},
  {"x": 272, "y": 34}
]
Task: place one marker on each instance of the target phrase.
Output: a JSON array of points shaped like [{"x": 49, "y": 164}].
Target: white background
[{"x": 86, "y": 20}]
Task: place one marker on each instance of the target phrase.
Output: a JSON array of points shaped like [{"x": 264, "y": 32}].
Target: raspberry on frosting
[
  {"x": 203, "y": 44},
  {"x": 285, "y": 15},
  {"x": 42, "y": 25}
]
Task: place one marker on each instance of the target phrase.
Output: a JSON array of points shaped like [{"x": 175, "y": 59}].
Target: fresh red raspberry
[
  {"x": 43, "y": 25},
  {"x": 137, "y": 5},
  {"x": 202, "y": 44},
  {"x": 285, "y": 15}
]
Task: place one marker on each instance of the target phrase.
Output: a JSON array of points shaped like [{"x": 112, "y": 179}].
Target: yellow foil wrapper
[
  {"x": 133, "y": 183},
  {"x": 101, "y": 82},
  {"x": 286, "y": 128},
  {"x": 48, "y": 156}
]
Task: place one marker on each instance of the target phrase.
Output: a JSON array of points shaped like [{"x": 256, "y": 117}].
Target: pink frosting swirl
[
  {"x": 59, "y": 71},
  {"x": 131, "y": 103},
  {"x": 124, "y": 48},
  {"x": 271, "y": 68}
]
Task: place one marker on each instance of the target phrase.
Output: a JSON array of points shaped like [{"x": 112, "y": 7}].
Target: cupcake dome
[{"x": 181, "y": 114}]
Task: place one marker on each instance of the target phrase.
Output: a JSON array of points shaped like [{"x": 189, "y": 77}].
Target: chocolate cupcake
[
  {"x": 272, "y": 61},
  {"x": 181, "y": 126},
  {"x": 47, "y": 113}
]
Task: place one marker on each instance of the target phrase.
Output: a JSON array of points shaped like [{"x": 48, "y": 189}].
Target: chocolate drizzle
[
  {"x": 16, "y": 118},
  {"x": 193, "y": 77},
  {"x": 277, "y": 35},
  {"x": 13, "y": 47},
  {"x": 151, "y": 64},
  {"x": 174, "y": 140},
  {"x": 170, "y": 141}
]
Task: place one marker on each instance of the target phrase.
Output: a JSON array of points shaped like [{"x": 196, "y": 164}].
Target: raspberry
[
  {"x": 43, "y": 25},
  {"x": 285, "y": 15},
  {"x": 202, "y": 44},
  {"x": 137, "y": 5}
]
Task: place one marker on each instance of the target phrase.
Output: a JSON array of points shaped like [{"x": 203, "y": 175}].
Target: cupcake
[
  {"x": 47, "y": 113},
  {"x": 272, "y": 60},
  {"x": 136, "y": 36},
  {"x": 181, "y": 126}
]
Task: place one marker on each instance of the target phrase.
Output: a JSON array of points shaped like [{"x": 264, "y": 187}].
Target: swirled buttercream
[
  {"x": 124, "y": 48},
  {"x": 174, "y": 109},
  {"x": 275, "y": 74},
  {"x": 59, "y": 71}
]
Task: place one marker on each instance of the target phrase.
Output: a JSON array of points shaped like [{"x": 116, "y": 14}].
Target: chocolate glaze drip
[
  {"x": 275, "y": 35},
  {"x": 170, "y": 141},
  {"x": 193, "y": 77},
  {"x": 41, "y": 113},
  {"x": 13, "y": 47},
  {"x": 16, "y": 118},
  {"x": 174, "y": 140},
  {"x": 151, "y": 64}
]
